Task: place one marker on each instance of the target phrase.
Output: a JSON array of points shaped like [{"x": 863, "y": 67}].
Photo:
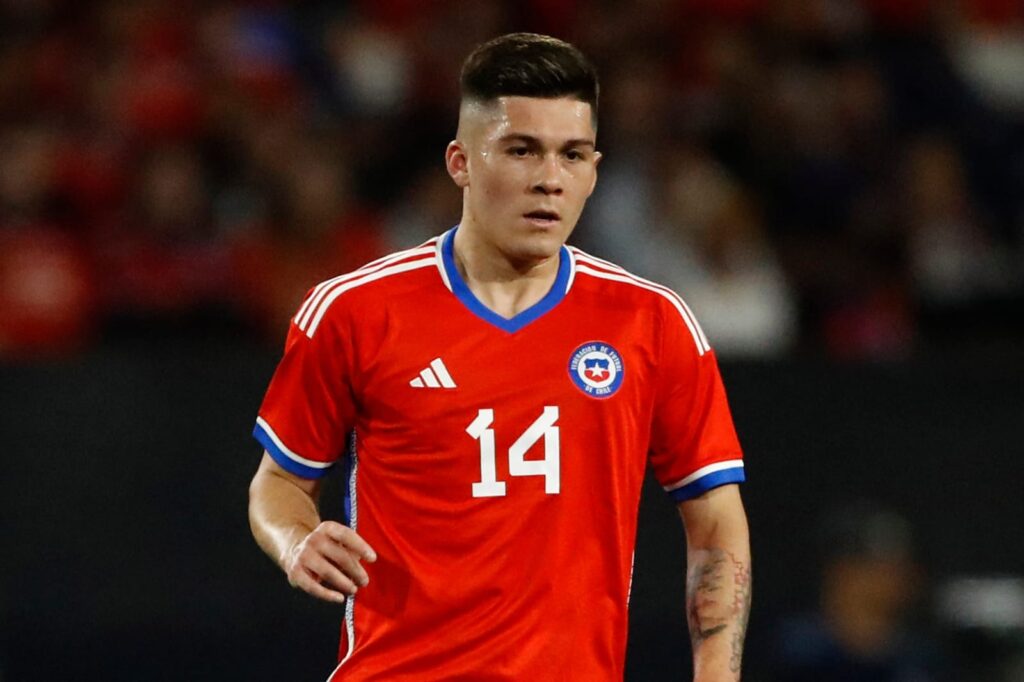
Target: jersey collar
[{"x": 452, "y": 278}]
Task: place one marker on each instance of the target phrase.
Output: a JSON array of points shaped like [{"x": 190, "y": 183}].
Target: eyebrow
[{"x": 530, "y": 139}]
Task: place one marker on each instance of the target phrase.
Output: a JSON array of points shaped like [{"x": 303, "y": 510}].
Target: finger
[
  {"x": 335, "y": 551},
  {"x": 308, "y": 584},
  {"x": 347, "y": 561},
  {"x": 330, "y": 574},
  {"x": 312, "y": 560},
  {"x": 349, "y": 538}
]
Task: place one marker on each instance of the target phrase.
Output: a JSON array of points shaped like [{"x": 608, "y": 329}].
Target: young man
[{"x": 499, "y": 395}]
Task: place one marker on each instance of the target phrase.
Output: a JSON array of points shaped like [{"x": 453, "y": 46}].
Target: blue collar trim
[{"x": 514, "y": 324}]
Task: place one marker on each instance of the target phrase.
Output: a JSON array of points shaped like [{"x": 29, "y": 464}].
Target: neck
[{"x": 505, "y": 284}]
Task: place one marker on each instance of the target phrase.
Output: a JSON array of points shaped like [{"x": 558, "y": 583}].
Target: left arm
[{"x": 718, "y": 582}]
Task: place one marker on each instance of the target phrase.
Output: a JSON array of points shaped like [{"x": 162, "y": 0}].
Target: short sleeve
[
  {"x": 694, "y": 447},
  {"x": 308, "y": 410}
]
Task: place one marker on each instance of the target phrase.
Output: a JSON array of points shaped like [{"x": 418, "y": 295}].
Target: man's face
[{"x": 526, "y": 166}]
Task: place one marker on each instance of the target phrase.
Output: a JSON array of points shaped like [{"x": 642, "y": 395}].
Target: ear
[{"x": 457, "y": 162}]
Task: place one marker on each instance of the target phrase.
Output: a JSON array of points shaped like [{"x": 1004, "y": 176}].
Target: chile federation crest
[{"x": 596, "y": 369}]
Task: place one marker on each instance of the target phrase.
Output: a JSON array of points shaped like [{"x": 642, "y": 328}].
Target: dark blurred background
[{"x": 835, "y": 186}]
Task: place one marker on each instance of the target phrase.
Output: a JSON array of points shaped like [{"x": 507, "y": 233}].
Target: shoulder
[
  {"x": 354, "y": 291},
  {"x": 609, "y": 280},
  {"x": 613, "y": 280}
]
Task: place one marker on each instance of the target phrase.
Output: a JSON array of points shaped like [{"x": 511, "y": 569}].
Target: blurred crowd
[
  {"x": 876, "y": 618},
  {"x": 834, "y": 177}
]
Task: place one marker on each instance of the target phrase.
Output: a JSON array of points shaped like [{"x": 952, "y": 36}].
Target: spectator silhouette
[{"x": 861, "y": 631}]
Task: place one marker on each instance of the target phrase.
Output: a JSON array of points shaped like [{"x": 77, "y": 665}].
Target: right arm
[{"x": 322, "y": 558}]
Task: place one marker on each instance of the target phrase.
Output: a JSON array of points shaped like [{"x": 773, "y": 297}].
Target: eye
[
  {"x": 519, "y": 151},
  {"x": 574, "y": 155}
]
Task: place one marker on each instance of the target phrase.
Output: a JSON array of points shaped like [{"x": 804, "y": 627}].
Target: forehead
[{"x": 561, "y": 118}]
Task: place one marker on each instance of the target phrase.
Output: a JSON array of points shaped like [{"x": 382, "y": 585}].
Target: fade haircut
[{"x": 529, "y": 65}]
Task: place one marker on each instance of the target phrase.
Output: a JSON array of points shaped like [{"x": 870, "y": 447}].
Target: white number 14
[{"x": 518, "y": 465}]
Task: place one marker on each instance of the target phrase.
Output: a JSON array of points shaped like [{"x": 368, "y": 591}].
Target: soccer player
[{"x": 493, "y": 397}]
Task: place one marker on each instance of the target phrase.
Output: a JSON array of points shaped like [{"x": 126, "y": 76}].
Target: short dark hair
[{"x": 529, "y": 65}]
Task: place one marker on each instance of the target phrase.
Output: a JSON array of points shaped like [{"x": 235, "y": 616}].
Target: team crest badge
[{"x": 596, "y": 369}]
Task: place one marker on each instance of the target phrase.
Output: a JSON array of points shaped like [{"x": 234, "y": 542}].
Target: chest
[
  {"x": 442, "y": 389},
  {"x": 439, "y": 364}
]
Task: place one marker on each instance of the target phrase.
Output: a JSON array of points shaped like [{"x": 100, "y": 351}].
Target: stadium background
[{"x": 835, "y": 187}]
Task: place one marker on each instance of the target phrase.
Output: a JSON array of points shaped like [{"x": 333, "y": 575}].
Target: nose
[{"x": 549, "y": 176}]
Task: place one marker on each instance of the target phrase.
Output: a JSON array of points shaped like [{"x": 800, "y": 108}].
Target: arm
[
  {"x": 316, "y": 556},
  {"x": 718, "y": 582}
]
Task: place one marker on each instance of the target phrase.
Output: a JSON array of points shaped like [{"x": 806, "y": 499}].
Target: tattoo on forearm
[
  {"x": 743, "y": 583},
  {"x": 703, "y": 594},
  {"x": 718, "y": 594}
]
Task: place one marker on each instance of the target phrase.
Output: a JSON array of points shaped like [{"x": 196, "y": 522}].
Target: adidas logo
[{"x": 435, "y": 376}]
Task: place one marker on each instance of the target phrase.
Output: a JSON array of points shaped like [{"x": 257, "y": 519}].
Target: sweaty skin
[
  {"x": 526, "y": 167},
  {"x": 322, "y": 558}
]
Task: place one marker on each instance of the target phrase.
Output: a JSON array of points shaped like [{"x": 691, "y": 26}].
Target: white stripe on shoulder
[
  {"x": 623, "y": 276},
  {"x": 572, "y": 269},
  {"x": 601, "y": 261},
  {"x": 397, "y": 255},
  {"x": 618, "y": 268},
  {"x": 341, "y": 287},
  {"x": 439, "y": 257},
  {"x": 313, "y": 300},
  {"x": 312, "y": 463},
  {"x": 704, "y": 471}
]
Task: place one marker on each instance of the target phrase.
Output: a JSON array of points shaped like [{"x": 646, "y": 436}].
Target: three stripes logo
[{"x": 434, "y": 376}]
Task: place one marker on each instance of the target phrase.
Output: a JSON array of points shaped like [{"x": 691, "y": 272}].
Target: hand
[{"x": 329, "y": 557}]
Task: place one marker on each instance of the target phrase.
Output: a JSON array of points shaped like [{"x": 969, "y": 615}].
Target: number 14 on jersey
[{"x": 542, "y": 427}]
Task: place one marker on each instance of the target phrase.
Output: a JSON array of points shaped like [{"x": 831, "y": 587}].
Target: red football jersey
[{"x": 495, "y": 465}]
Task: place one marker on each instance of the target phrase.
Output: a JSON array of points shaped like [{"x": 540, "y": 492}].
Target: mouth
[{"x": 542, "y": 217}]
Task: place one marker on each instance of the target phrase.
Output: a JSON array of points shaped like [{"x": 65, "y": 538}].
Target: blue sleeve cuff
[
  {"x": 288, "y": 460},
  {"x": 705, "y": 483}
]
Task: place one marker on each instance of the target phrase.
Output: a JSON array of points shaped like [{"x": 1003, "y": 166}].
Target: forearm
[
  {"x": 718, "y": 589},
  {"x": 281, "y": 513},
  {"x": 718, "y": 606}
]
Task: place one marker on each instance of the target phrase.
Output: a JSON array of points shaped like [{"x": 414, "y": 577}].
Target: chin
[{"x": 539, "y": 245}]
